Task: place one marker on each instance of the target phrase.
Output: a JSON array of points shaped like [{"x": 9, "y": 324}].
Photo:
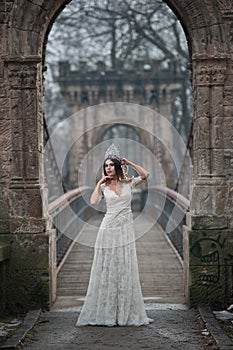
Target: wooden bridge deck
[{"x": 161, "y": 272}]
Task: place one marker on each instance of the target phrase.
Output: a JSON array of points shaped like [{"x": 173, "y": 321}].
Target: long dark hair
[{"x": 118, "y": 168}]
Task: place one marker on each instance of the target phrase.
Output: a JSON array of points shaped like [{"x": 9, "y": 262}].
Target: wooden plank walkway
[{"x": 161, "y": 272}]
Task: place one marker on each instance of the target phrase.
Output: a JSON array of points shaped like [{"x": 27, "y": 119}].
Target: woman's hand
[
  {"x": 124, "y": 161},
  {"x": 104, "y": 179},
  {"x": 96, "y": 194},
  {"x": 142, "y": 172}
]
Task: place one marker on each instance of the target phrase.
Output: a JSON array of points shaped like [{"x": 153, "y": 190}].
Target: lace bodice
[{"x": 115, "y": 202}]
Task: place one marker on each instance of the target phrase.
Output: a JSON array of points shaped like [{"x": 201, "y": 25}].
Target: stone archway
[{"x": 25, "y": 26}]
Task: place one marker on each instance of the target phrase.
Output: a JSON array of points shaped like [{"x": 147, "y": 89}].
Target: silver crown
[{"x": 112, "y": 153}]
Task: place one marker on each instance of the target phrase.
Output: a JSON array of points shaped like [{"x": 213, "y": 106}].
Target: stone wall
[{"x": 24, "y": 28}]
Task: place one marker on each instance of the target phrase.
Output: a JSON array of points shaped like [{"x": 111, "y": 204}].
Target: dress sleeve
[{"x": 135, "y": 181}]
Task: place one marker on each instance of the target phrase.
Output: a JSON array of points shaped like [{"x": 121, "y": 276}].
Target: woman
[{"x": 114, "y": 294}]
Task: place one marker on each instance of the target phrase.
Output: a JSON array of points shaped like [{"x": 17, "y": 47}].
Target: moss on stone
[{"x": 28, "y": 273}]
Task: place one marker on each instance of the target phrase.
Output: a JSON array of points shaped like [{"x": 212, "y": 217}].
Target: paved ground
[{"x": 174, "y": 327}]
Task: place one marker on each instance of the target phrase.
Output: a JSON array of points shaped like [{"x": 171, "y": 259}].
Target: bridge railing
[
  {"x": 69, "y": 213},
  {"x": 169, "y": 208}
]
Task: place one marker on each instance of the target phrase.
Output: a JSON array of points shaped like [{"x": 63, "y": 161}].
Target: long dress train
[{"x": 114, "y": 294}]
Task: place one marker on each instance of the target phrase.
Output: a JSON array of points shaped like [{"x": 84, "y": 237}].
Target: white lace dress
[{"x": 114, "y": 294}]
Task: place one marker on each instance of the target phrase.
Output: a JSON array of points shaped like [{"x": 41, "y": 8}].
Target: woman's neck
[{"x": 114, "y": 180}]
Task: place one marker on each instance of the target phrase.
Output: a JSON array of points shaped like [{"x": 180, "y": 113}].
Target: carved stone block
[
  {"x": 203, "y": 76},
  {"x": 210, "y": 197},
  {"x": 229, "y": 206},
  {"x": 22, "y": 74},
  {"x": 5, "y": 139},
  {"x": 201, "y": 163},
  {"x": 217, "y": 162},
  {"x": 201, "y": 135},
  {"x": 229, "y": 31},
  {"x": 228, "y": 132},
  {"x": 228, "y": 162},
  {"x": 210, "y": 72},
  {"x": 25, "y": 164},
  {"x": 197, "y": 19},
  {"x": 202, "y": 105},
  {"x": 4, "y": 113},
  {"x": 30, "y": 104},
  {"x": 24, "y": 135},
  {"x": 201, "y": 44},
  {"x": 225, "y": 5},
  {"x": 17, "y": 135},
  {"x": 202, "y": 201},
  {"x": 229, "y": 79},
  {"x": 216, "y": 126},
  {"x": 31, "y": 136},
  {"x": 4, "y": 101},
  {"x": 32, "y": 164},
  {"x": 217, "y": 101},
  {"x": 25, "y": 203},
  {"x": 220, "y": 195},
  {"x": 1, "y": 70},
  {"x": 206, "y": 222},
  {"x": 228, "y": 96},
  {"x": 16, "y": 105},
  {"x": 4, "y": 206},
  {"x": 228, "y": 111},
  {"x": 29, "y": 225},
  {"x": 229, "y": 201},
  {"x": 17, "y": 164},
  {"x": 5, "y": 166}
]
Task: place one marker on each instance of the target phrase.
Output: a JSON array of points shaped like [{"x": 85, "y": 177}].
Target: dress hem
[{"x": 105, "y": 324}]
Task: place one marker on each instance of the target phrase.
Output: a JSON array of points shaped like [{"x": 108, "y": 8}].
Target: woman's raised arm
[{"x": 141, "y": 171}]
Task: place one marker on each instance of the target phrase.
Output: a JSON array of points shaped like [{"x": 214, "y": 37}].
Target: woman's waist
[{"x": 122, "y": 211}]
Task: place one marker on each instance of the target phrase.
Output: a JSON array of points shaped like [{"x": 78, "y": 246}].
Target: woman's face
[{"x": 110, "y": 168}]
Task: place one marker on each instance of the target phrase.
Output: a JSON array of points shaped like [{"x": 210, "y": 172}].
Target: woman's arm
[
  {"x": 141, "y": 171},
  {"x": 95, "y": 197}
]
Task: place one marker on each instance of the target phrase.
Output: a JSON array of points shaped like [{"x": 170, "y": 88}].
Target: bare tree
[{"x": 119, "y": 30}]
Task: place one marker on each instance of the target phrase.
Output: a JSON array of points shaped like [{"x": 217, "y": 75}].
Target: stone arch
[
  {"x": 33, "y": 21},
  {"x": 25, "y": 26}
]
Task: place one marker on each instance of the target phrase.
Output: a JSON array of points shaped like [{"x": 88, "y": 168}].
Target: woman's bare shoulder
[{"x": 127, "y": 180}]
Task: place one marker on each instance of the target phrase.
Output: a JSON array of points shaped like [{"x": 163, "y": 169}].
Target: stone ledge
[
  {"x": 19, "y": 335},
  {"x": 206, "y": 222},
  {"x": 22, "y": 59},
  {"x": 222, "y": 340}
]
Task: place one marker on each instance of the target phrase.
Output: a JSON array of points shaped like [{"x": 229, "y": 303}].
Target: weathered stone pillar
[
  {"x": 26, "y": 225},
  {"x": 208, "y": 237}
]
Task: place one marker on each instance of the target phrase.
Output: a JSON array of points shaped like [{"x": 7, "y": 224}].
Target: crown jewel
[{"x": 112, "y": 152}]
